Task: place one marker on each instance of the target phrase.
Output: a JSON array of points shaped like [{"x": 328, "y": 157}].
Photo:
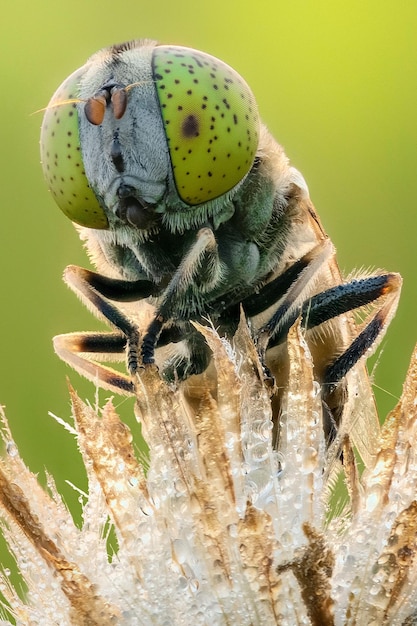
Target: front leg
[
  {"x": 200, "y": 266},
  {"x": 81, "y": 350}
]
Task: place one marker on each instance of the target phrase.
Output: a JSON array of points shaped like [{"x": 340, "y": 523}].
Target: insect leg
[
  {"x": 202, "y": 254},
  {"x": 110, "y": 288},
  {"x": 369, "y": 338},
  {"x": 95, "y": 290},
  {"x": 273, "y": 291},
  {"x": 338, "y": 300},
  {"x": 85, "y": 282},
  {"x": 334, "y": 389},
  {"x": 292, "y": 301},
  {"x": 228, "y": 304},
  {"x": 194, "y": 359},
  {"x": 76, "y": 348}
]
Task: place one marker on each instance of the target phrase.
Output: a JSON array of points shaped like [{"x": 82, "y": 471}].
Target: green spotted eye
[
  {"x": 61, "y": 157},
  {"x": 210, "y": 118}
]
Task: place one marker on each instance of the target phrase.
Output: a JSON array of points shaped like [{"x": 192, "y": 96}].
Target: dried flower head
[{"x": 221, "y": 528}]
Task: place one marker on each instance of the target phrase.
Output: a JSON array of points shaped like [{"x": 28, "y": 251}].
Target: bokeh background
[{"x": 336, "y": 82}]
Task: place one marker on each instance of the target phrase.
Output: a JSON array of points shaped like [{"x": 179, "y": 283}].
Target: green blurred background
[{"x": 336, "y": 84}]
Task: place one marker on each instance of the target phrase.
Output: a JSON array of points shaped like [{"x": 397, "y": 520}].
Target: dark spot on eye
[
  {"x": 189, "y": 92},
  {"x": 190, "y": 126},
  {"x": 235, "y": 118}
]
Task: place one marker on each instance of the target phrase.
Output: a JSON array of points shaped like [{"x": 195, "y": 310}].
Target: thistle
[{"x": 221, "y": 528}]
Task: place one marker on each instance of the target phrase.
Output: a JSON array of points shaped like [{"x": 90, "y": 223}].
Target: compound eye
[
  {"x": 211, "y": 121},
  {"x": 61, "y": 157}
]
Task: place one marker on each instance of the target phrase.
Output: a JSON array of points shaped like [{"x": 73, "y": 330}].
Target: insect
[{"x": 190, "y": 210}]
